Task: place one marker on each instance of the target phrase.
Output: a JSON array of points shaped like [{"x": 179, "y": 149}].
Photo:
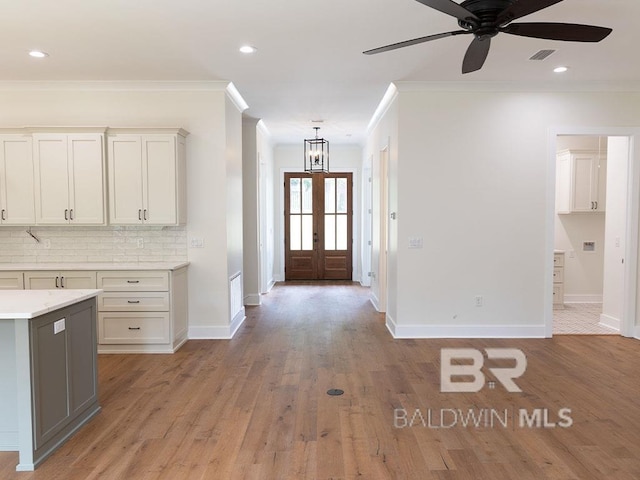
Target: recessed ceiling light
[
  {"x": 248, "y": 49},
  {"x": 38, "y": 54},
  {"x": 560, "y": 69}
]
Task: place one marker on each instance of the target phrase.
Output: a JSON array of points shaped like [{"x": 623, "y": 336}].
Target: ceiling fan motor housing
[{"x": 487, "y": 11}]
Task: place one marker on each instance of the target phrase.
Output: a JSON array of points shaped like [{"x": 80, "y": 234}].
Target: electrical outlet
[
  {"x": 479, "y": 300},
  {"x": 59, "y": 326},
  {"x": 141, "y": 243}
]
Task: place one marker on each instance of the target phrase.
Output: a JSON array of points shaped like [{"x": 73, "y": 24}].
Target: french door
[{"x": 318, "y": 226}]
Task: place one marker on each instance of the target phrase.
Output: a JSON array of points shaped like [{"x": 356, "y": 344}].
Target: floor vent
[{"x": 542, "y": 54}]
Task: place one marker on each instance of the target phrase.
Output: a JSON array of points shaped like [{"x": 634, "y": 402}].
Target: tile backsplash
[{"x": 93, "y": 244}]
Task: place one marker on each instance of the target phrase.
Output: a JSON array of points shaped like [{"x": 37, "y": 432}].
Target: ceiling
[{"x": 309, "y": 64}]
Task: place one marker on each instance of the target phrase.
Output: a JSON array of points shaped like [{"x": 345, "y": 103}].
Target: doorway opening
[
  {"x": 318, "y": 221},
  {"x": 591, "y": 220}
]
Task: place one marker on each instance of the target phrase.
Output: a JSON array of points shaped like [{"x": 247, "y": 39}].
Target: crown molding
[
  {"x": 388, "y": 98},
  {"x": 116, "y": 86},
  {"x": 514, "y": 86},
  {"x": 235, "y": 97}
]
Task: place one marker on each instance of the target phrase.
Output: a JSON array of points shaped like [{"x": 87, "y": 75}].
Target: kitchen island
[{"x": 48, "y": 369}]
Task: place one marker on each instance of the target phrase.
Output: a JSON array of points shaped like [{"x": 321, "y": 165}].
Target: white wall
[
  {"x": 289, "y": 158},
  {"x": 257, "y": 175},
  {"x": 250, "y": 208},
  {"x": 266, "y": 202},
  {"x": 473, "y": 182},
  {"x": 198, "y": 108},
  {"x": 384, "y": 137},
  {"x": 615, "y": 230}
]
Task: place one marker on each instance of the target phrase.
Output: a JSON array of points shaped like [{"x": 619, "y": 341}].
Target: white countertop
[
  {"x": 16, "y": 304},
  {"x": 12, "y": 267}
]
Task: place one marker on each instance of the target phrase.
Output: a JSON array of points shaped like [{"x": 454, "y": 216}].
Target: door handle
[
  {"x": 62, "y": 282},
  {"x": 596, "y": 205},
  {"x": 57, "y": 286},
  {"x": 145, "y": 214},
  {"x": 4, "y": 217},
  {"x": 71, "y": 214},
  {"x": 66, "y": 214},
  {"x": 133, "y": 301},
  {"x": 139, "y": 214}
]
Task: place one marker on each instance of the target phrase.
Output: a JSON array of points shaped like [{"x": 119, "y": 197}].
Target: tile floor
[{"x": 580, "y": 319}]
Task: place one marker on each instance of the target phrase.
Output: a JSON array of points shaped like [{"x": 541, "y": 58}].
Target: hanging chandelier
[{"x": 316, "y": 154}]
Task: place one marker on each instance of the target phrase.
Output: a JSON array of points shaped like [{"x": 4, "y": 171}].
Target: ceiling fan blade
[
  {"x": 415, "y": 41},
  {"x": 569, "y": 32},
  {"x": 451, "y": 8},
  {"x": 476, "y": 55},
  {"x": 520, "y": 8}
]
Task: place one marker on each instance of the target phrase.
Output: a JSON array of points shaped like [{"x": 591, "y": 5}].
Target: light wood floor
[{"x": 256, "y": 407}]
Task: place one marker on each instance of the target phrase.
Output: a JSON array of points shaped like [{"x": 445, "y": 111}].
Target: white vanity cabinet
[
  {"x": 69, "y": 178},
  {"x": 147, "y": 176},
  {"x": 581, "y": 179},
  {"x": 142, "y": 311},
  {"x": 17, "y": 205}
]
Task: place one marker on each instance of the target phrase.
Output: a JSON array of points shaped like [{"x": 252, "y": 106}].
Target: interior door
[{"x": 318, "y": 226}]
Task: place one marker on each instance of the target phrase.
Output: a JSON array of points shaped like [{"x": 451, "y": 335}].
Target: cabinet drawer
[
  {"x": 558, "y": 294},
  {"x": 130, "y": 281},
  {"x": 132, "y": 328},
  {"x": 11, "y": 281},
  {"x": 558, "y": 260},
  {"x": 134, "y": 302},
  {"x": 558, "y": 275}
]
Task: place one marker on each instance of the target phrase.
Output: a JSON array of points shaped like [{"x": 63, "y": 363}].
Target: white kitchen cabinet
[
  {"x": 147, "y": 177},
  {"x": 69, "y": 178},
  {"x": 11, "y": 281},
  {"x": 581, "y": 177},
  {"x": 17, "y": 206},
  {"x": 50, "y": 280},
  {"x": 142, "y": 311}
]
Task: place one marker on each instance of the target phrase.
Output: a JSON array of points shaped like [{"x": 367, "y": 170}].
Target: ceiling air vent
[{"x": 542, "y": 54}]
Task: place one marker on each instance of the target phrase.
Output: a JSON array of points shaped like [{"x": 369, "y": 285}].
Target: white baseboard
[
  {"x": 252, "y": 299},
  {"x": 576, "y": 298},
  {"x": 464, "y": 331},
  {"x": 610, "y": 322},
  {"x": 270, "y": 285},
  {"x": 218, "y": 332},
  {"x": 636, "y": 332},
  {"x": 278, "y": 278},
  {"x": 374, "y": 301}
]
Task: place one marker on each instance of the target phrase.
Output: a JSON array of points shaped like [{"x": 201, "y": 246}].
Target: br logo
[{"x": 449, "y": 369}]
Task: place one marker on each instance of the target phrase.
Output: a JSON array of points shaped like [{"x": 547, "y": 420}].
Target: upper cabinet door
[
  {"x": 17, "y": 205},
  {"x": 69, "y": 172},
  {"x": 159, "y": 185},
  {"x": 147, "y": 177},
  {"x": 86, "y": 179},
  {"x": 125, "y": 179},
  {"x": 51, "y": 179}
]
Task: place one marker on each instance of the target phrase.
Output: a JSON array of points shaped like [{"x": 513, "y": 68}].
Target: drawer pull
[
  {"x": 133, "y": 281},
  {"x": 133, "y": 301},
  {"x": 134, "y": 328}
]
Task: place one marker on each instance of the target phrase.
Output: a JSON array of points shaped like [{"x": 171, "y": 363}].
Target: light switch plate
[
  {"x": 415, "y": 242},
  {"x": 196, "y": 242}
]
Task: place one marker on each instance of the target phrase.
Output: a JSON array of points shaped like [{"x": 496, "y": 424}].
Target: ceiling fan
[{"x": 486, "y": 18}]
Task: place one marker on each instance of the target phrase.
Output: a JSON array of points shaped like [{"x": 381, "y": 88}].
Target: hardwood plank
[{"x": 256, "y": 407}]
